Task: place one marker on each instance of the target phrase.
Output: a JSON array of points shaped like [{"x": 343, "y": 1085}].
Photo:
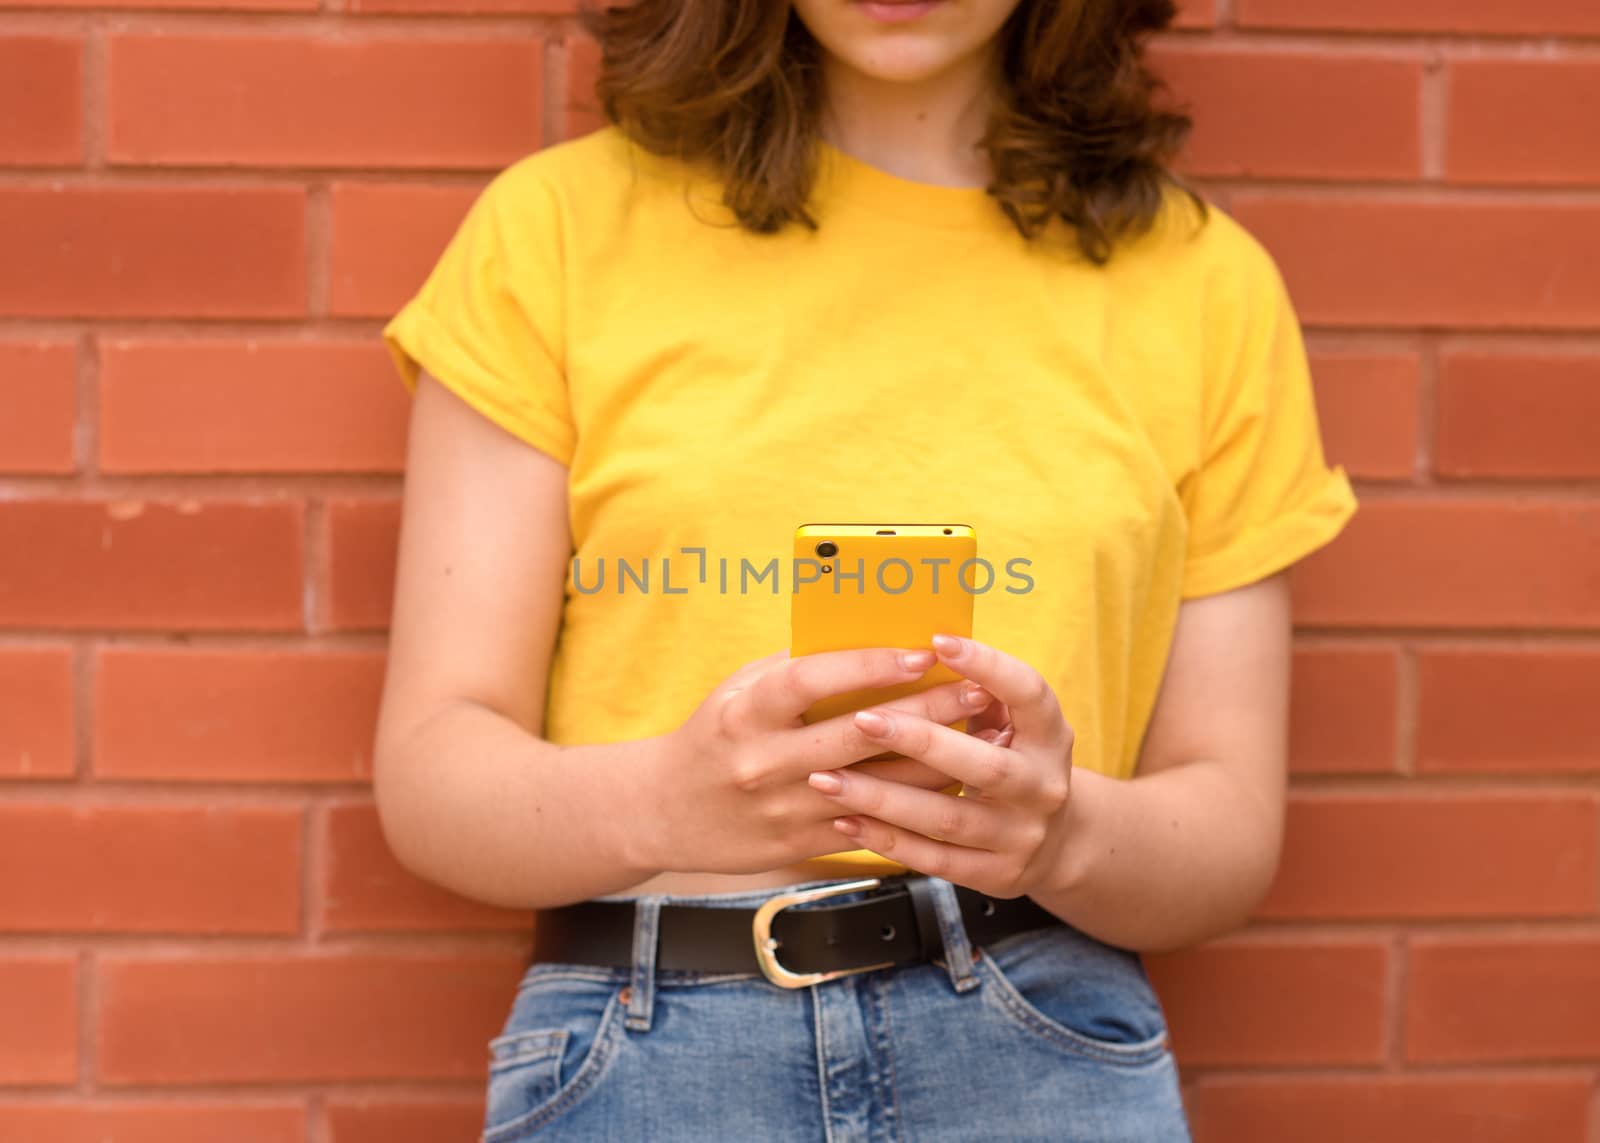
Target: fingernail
[
  {"x": 916, "y": 660},
  {"x": 873, "y": 723},
  {"x": 991, "y": 735},
  {"x": 826, "y": 781},
  {"x": 847, "y": 825},
  {"x": 974, "y": 695},
  {"x": 948, "y": 646},
  {"x": 1004, "y": 737}
]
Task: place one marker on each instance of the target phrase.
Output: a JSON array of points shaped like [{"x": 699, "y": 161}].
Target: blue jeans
[{"x": 1046, "y": 1034}]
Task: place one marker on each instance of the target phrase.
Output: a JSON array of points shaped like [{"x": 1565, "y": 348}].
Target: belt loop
[
  {"x": 642, "y": 986},
  {"x": 957, "y": 949}
]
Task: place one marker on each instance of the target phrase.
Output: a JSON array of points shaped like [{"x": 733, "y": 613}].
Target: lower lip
[{"x": 899, "y": 13}]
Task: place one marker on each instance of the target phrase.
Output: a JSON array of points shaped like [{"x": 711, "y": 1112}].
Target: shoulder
[
  {"x": 602, "y": 153},
  {"x": 599, "y": 172},
  {"x": 1201, "y": 270},
  {"x": 1193, "y": 244}
]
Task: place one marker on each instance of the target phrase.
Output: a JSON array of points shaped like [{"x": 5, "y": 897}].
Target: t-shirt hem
[
  {"x": 1274, "y": 546},
  {"x": 416, "y": 340}
]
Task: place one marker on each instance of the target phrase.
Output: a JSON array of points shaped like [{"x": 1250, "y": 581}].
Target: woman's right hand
[{"x": 730, "y": 783}]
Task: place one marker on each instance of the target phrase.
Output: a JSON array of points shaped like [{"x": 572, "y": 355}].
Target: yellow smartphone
[{"x": 880, "y": 585}]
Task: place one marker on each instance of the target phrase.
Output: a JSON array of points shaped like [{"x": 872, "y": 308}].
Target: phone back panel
[{"x": 895, "y": 590}]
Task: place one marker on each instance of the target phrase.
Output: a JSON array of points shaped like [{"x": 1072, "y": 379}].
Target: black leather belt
[{"x": 820, "y": 942}]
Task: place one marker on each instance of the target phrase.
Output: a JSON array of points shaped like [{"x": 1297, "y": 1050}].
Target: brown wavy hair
[{"x": 1078, "y": 131}]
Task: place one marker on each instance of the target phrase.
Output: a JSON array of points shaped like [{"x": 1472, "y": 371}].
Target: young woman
[{"x": 849, "y": 261}]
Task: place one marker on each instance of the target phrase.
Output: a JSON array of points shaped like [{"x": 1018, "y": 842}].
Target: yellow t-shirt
[{"x": 1140, "y": 434}]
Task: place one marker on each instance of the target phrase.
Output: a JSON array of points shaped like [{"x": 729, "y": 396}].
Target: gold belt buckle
[{"x": 767, "y": 944}]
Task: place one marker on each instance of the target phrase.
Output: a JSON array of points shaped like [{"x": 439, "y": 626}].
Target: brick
[
  {"x": 1509, "y": 1108},
  {"x": 151, "y": 565},
  {"x": 36, "y": 720},
  {"x": 153, "y": 252},
  {"x": 1457, "y": 564},
  {"x": 1463, "y": 17},
  {"x": 366, "y": 890},
  {"x": 40, "y": 387},
  {"x": 188, "y": 715},
  {"x": 1368, "y": 406},
  {"x": 1344, "y": 711},
  {"x": 1241, "y": 1001},
  {"x": 250, "y": 406},
  {"x": 1196, "y": 14},
  {"x": 410, "y": 1121},
  {"x": 118, "y": 1122},
  {"x": 580, "y": 109},
  {"x": 1522, "y": 121},
  {"x": 150, "y": 869},
  {"x": 41, "y": 84},
  {"x": 1380, "y": 856},
  {"x": 39, "y": 1036},
  {"x": 1517, "y": 711},
  {"x": 175, "y": 5},
  {"x": 461, "y": 7},
  {"x": 386, "y": 238},
  {"x": 323, "y": 1018},
  {"x": 1368, "y": 261},
  {"x": 362, "y": 544},
  {"x": 222, "y": 100},
  {"x": 1515, "y": 415},
  {"x": 1297, "y": 114},
  {"x": 1472, "y": 999}
]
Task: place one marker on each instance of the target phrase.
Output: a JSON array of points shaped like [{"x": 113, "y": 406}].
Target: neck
[{"x": 925, "y": 130}]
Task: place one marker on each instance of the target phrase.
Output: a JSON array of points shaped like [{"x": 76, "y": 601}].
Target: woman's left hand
[{"x": 1005, "y": 835}]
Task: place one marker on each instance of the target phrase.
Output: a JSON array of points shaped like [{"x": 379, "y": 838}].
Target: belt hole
[
  {"x": 887, "y": 932},
  {"x": 988, "y": 907}
]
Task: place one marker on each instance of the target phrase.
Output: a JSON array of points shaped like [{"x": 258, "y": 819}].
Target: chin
[
  {"x": 899, "y": 63},
  {"x": 909, "y": 52}
]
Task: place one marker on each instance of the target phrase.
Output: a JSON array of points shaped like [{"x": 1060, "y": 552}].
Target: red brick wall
[{"x": 207, "y": 207}]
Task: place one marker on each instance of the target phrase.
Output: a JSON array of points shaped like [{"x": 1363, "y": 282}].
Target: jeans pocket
[
  {"x": 1075, "y": 993},
  {"x": 556, "y": 1046}
]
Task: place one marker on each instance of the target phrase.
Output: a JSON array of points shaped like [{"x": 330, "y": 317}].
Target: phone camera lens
[{"x": 827, "y": 549}]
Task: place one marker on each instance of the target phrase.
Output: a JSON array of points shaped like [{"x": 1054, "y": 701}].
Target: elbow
[
  {"x": 1258, "y": 853},
  {"x": 1267, "y": 855},
  {"x": 1248, "y": 878},
  {"x": 394, "y": 789},
  {"x": 1255, "y": 887},
  {"x": 1231, "y": 908},
  {"x": 1256, "y": 874}
]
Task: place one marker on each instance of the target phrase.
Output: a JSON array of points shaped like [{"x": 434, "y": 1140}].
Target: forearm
[
  {"x": 472, "y": 802},
  {"x": 1163, "y": 861}
]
